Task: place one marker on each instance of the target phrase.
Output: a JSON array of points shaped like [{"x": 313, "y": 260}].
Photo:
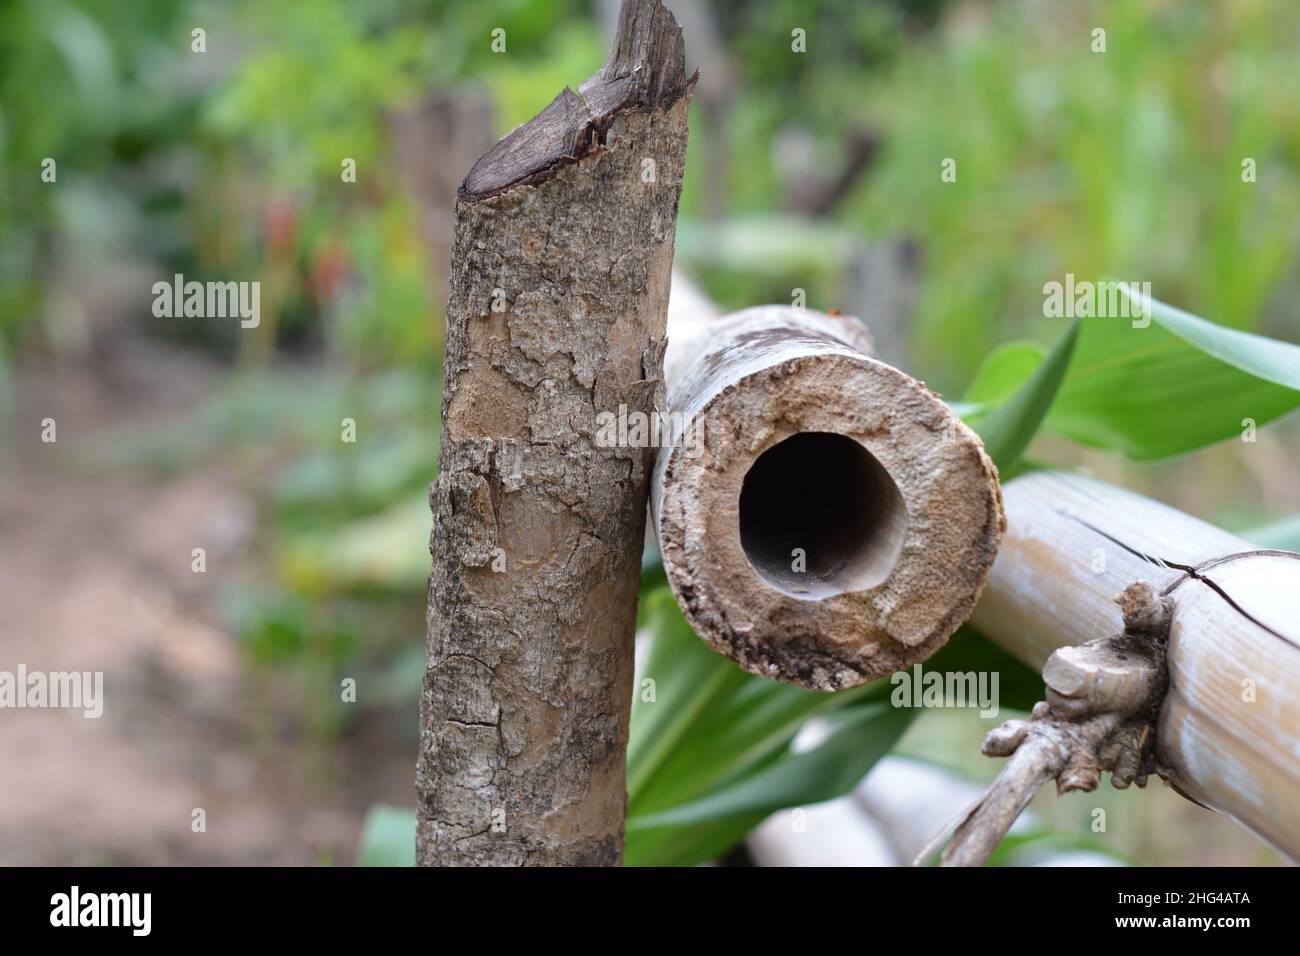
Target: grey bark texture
[{"x": 559, "y": 293}]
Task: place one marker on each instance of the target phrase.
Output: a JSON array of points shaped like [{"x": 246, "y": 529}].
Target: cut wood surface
[
  {"x": 559, "y": 291},
  {"x": 824, "y": 519},
  {"x": 1228, "y": 733}
]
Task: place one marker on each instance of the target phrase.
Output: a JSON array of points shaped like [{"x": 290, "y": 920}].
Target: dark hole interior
[{"x": 827, "y": 495}]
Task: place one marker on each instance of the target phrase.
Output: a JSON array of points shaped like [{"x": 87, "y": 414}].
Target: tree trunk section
[{"x": 558, "y": 297}]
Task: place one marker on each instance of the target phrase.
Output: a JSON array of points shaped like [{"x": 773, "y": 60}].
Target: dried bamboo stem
[
  {"x": 1228, "y": 731},
  {"x": 824, "y": 519}
]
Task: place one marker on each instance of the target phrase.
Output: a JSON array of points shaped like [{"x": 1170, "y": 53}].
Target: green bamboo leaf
[
  {"x": 756, "y": 721},
  {"x": 1008, "y": 430},
  {"x": 1178, "y": 384},
  {"x": 1003, "y": 371},
  {"x": 687, "y": 846},
  {"x": 709, "y": 725},
  {"x": 710, "y": 721},
  {"x": 864, "y": 734},
  {"x": 688, "y": 678},
  {"x": 1269, "y": 359},
  {"x": 388, "y": 837}
]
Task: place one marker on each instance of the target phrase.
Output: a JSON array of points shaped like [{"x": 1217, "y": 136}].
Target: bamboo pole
[
  {"x": 824, "y": 519},
  {"x": 1228, "y": 732}
]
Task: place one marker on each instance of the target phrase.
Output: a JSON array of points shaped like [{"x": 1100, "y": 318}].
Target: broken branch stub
[
  {"x": 558, "y": 295},
  {"x": 1102, "y": 701},
  {"x": 824, "y": 519}
]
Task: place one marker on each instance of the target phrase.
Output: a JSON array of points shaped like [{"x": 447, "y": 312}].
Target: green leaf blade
[
  {"x": 388, "y": 837},
  {"x": 824, "y": 772},
  {"x": 1008, "y": 430},
  {"x": 1171, "y": 386}
]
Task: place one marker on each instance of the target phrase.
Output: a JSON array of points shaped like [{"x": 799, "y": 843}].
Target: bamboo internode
[{"x": 1228, "y": 733}]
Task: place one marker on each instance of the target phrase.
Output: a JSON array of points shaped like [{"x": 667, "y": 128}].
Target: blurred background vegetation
[{"x": 815, "y": 171}]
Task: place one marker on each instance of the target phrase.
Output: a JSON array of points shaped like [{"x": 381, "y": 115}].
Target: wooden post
[
  {"x": 824, "y": 519},
  {"x": 559, "y": 290},
  {"x": 1228, "y": 732}
]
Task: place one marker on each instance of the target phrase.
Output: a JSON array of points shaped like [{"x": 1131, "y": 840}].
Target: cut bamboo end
[{"x": 824, "y": 519}]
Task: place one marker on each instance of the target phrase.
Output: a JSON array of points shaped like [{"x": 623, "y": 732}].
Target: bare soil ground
[{"x": 95, "y": 575}]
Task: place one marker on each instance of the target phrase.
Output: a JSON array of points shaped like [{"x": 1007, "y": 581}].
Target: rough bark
[
  {"x": 794, "y": 447},
  {"x": 559, "y": 290},
  {"x": 1228, "y": 728}
]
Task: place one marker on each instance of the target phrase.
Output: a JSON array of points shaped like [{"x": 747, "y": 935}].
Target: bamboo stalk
[
  {"x": 824, "y": 519},
  {"x": 1228, "y": 732}
]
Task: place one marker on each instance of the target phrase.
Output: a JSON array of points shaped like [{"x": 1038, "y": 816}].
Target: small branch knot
[
  {"x": 1144, "y": 611},
  {"x": 1099, "y": 715}
]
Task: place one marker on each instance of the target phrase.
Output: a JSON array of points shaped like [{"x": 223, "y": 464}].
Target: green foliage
[
  {"x": 822, "y": 91},
  {"x": 1178, "y": 385},
  {"x": 1004, "y": 371},
  {"x": 1123, "y": 163},
  {"x": 1167, "y": 388},
  {"x": 1008, "y": 429},
  {"x": 280, "y": 629},
  {"x": 710, "y": 755},
  {"x": 713, "y": 740},
  {"x": 316, "y": 93},
  {"x": 385, "y": 553},
  {"x": 85, "y": 85}
]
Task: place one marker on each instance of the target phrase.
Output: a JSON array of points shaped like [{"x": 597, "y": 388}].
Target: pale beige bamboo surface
[
  {"x": 1229, "y": 730},
  {"x": 791, "y": 444}
]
